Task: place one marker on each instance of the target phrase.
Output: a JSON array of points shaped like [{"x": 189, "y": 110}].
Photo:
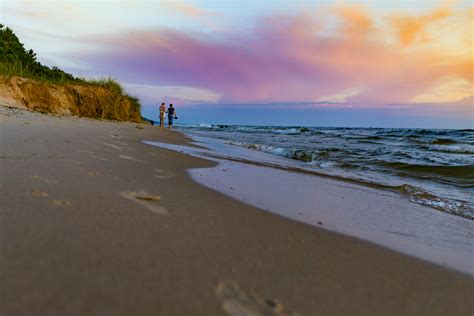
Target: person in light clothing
[{"x": 162, "y": 114}]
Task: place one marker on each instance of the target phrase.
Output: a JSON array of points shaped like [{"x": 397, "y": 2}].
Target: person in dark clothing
[{"x": 171, "y": 116}]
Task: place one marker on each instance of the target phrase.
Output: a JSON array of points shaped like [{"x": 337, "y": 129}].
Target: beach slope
[{"x": 95, "y": 222}]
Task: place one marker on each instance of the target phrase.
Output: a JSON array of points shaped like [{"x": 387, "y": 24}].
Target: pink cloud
[{"x": 286, "y": 58}]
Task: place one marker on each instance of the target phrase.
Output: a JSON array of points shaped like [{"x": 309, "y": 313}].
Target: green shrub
[{"x": 15, "y": 60}]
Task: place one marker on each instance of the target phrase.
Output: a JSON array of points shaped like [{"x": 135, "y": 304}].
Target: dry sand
[{"x": 94, "y": 222}]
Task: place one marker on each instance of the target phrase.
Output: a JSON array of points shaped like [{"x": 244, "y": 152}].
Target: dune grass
[
  {"x": 106, "y": 82},
  {"x": 114, "y": 86},
  {"x": 20, "y": 69}
]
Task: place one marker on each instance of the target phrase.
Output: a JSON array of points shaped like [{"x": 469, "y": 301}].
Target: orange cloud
[
  {"x": 356, "y": 19},
  {"x": 410, "y": 28},
  {"x": 448, "y": 89}
]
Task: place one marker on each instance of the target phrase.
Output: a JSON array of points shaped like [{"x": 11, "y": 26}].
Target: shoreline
[
  {"x": 383, "y": 217},
  {"x": 347, "y": 154},
  {"x": 265, "y": 159},
  {"x": 76, "y": 240}
]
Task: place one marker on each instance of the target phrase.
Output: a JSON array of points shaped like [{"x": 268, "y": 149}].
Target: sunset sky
[{"x": 327, "y": 63}]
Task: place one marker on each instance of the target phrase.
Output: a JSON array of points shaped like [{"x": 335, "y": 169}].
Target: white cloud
[
  {"x": 151, "y": 94},
  {"x": 448, "y": 89},
  {"x": 341, "y": 97}
]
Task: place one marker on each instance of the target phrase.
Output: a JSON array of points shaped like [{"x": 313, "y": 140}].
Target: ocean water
[{"x": 430, "y": 167}]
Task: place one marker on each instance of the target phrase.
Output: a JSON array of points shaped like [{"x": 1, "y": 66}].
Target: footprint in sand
[
  {"x": 74, "y": 161},
  {"x": 156, "y": 155},
  {"x": 132, "y": 159},
  {"x": 79, "y": 169},
  {"x": 44, "y": 179},
  {"x": 61, "y": 203},
  {"x": 100, "y": 158},
  {"x": 119, "y": 148},
  {"x": 85, "y": 151},
  {"x": 146, "y": 200},
  {"x": 236, "y": 302},
  {"x": 89, "y": 172},
  {"x": 39, "y": 193},
  {"x": 123, "y": 144},
  {"x": 164, "y": 174},
  {"x": 112, "y": 135}
]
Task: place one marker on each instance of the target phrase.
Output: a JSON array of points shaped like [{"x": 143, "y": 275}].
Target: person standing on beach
[
  {"x": 171, "y": 116},
  {"x": 162, "y": 114}
]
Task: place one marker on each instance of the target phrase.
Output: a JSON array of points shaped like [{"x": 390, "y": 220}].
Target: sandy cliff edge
[{"x": 68, "y": 99}]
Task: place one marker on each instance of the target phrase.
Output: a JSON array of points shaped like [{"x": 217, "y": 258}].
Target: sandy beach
[{"x": 95, "y": 222}]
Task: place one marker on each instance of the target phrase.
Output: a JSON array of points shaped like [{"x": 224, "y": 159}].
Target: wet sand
[
  {"x": 94, "y": 222},
  {"x": 383, "y": 217}
]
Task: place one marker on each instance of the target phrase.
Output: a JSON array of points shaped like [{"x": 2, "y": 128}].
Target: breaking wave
[{"x": 432, "y": 167}]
